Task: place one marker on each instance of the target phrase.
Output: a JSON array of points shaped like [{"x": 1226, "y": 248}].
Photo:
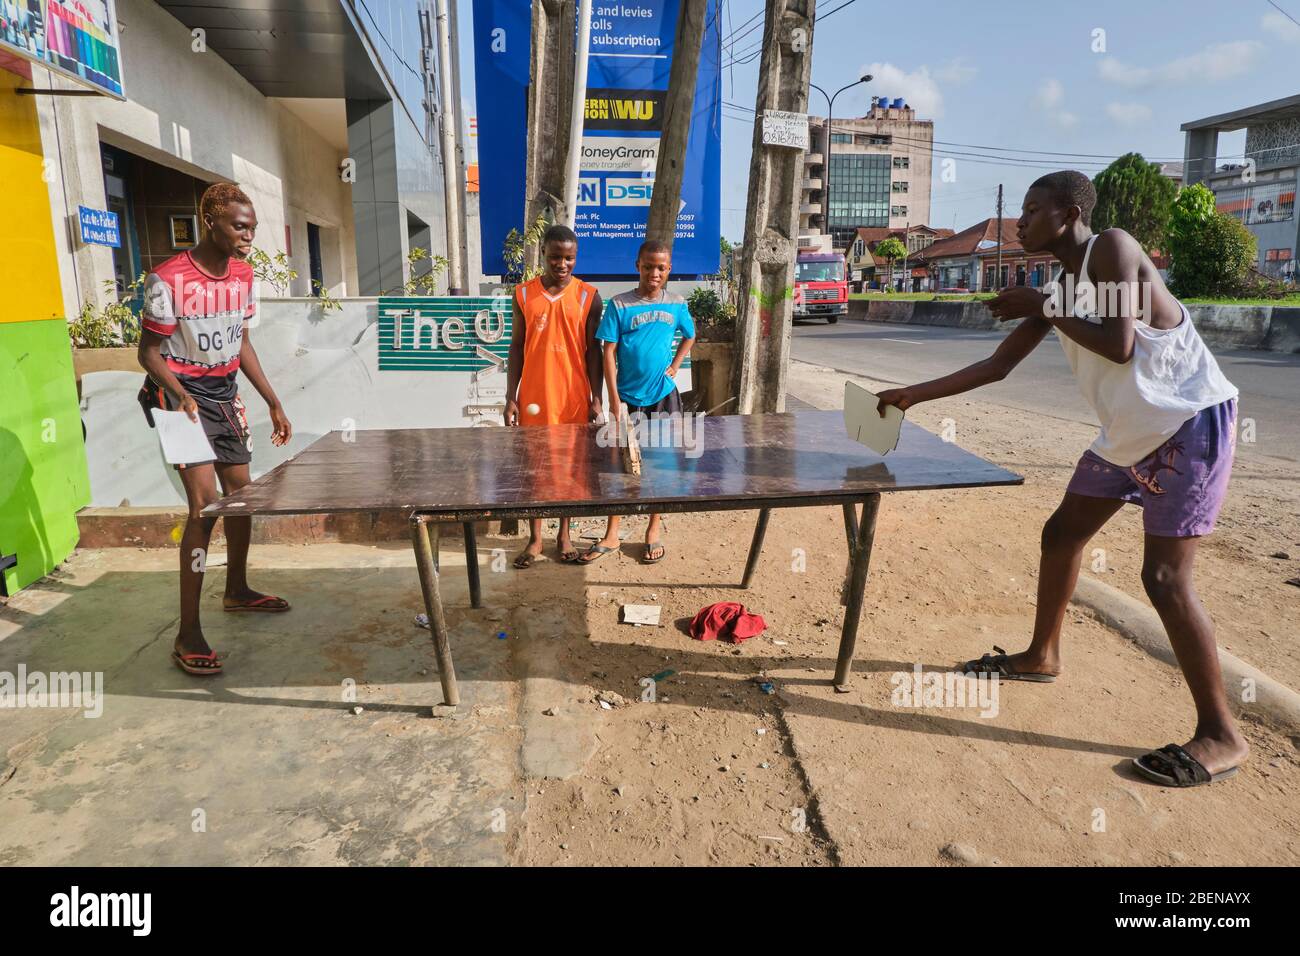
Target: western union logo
[
  {"x": 640, "y": 110},
  {"x": 603, "y": 108}
]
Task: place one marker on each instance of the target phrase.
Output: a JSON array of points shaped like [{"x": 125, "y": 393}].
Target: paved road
[{"x": 903, "y": 354}]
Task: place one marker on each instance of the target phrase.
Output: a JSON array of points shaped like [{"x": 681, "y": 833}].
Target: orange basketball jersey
[{"x": 554, "y": 376}]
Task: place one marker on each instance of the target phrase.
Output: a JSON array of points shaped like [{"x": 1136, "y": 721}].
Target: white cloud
[
  {"x": 1050, "y": 100},
  {"x": 955, "y": 72},
  {"x": 1285, "y": 29},
  {"x": 1128, "y": 114},
  {"x": 1217, "y": 62},
  {"x": 1050, "y": 95},
  {"x": 918, "y": 88}
]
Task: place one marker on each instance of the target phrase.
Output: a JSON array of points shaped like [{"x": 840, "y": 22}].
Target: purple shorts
[{"x": 1181, "y": 485}]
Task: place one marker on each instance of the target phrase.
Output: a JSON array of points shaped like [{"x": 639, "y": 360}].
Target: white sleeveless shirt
[{"x": 1143, "y": 402}]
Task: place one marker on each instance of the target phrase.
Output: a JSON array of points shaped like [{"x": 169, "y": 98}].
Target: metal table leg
[
  {"x": 851, "y": 526},
  {"x": 755, "y": 546},
  {"x": 424, "y": 561},
  {"x": 471, "y": 565},
  {"x": 861, "y": 552}
]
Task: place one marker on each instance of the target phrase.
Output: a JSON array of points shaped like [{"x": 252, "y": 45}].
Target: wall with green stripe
[{"x": 43, "y": 475}]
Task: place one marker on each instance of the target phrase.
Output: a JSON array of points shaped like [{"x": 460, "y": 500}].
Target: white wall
[
  {"x": 324, "y": 368},
  {"x": 191, "y": 111}
]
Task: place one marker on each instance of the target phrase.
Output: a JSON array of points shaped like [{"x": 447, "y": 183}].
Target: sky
[{"x": 1016, "y": 88}]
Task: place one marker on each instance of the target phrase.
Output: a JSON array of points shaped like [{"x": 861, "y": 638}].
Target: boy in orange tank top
[{"x": 554, "y": 375}]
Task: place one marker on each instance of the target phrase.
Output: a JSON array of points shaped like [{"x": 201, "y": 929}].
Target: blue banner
[
  {"x": 627, "y": 82},
  {"x": 99, "y": 227}
]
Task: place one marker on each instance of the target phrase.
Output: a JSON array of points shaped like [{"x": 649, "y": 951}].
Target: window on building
[
  {"x": 876, "y": 140},
  {"x": 858, "y": 195},
  {"x": 857, "y": 249},
  {"x": 1004, "y": 277},
  {"x": 898, "y": 210},
  {"x": 988, "y": 278},
  {"x": 899, "y": 187},
  {"x": 902, "y": 162},
  {"x": 841, "y": 138}
]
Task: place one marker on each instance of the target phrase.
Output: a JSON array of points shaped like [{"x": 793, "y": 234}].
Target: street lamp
[{"x": 830, "y": 133}]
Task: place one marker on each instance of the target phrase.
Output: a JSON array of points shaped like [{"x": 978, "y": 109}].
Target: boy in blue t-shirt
[{"x": 638, "y": 329}]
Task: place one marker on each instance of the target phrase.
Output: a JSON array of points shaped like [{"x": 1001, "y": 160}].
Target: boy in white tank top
[{"x": 1168, "y": 424}]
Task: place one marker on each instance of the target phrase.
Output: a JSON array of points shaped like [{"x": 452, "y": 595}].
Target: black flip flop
[
  {"x": 998, "y": 664},
  {"x": 524, "y": 560},
  {"x": 1172, "y": 766},
  {"x": 599, "y": 550},
  {"x": 645, "y": 555}
]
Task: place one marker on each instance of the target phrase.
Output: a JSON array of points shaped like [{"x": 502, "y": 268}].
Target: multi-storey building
[
  {"x": 1261, "y": 190},
  {"x": 878, "y": 175}
]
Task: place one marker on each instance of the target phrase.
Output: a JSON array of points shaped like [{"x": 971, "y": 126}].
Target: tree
[
  {"x": 1133, "y": 195},
  {"x": 1210, "y": 253},
  {"x": 891, "y": 250}
]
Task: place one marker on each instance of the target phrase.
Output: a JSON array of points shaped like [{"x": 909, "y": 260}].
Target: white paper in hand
[
  {"x": 864, "y": 422},
  {"x": 183, "y": 440}
]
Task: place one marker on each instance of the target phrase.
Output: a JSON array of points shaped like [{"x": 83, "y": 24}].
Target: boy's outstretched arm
[{"x": 1010, "y": 352}]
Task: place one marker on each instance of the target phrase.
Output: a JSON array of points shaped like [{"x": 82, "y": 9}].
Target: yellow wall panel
[{"x": 29, "y": 267}]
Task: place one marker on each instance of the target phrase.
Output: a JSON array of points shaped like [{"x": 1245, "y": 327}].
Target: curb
[{"x": 1275, "y": 702}]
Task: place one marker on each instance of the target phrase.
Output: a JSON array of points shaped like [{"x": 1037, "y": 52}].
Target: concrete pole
[
  {"x": 661, "y": 221},
  {"x": 578, "y": 115},
  {"x": 550, "y": 80},
  {"x": 459, "y": 128},
  {"x": 453, "y": 182},
  {"x": 766, "y": 277}
]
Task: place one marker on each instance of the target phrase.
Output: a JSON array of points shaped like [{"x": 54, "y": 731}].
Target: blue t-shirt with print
[{"x": 644, "y": 330}]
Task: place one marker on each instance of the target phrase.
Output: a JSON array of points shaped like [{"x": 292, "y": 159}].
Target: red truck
[{"x": 820, "y": 289}]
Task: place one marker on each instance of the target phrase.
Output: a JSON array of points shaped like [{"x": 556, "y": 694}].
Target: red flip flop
[
  {"x": 266, "y": 604},
  {"x": 210, "y": 669}
]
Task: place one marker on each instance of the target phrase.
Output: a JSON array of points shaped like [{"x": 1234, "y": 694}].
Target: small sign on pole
[
  {"x": 781, "y": 128},
  {"x": 99, "y": 227}
]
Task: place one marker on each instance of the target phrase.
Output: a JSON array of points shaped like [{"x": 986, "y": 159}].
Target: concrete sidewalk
[{"x": 266, "y": 763}]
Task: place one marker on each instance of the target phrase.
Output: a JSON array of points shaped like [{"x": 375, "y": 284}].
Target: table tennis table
[{"x": 460, "y": 476}]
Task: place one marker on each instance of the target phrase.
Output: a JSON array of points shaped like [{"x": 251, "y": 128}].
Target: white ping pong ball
[{"x": 533, "y": 409}]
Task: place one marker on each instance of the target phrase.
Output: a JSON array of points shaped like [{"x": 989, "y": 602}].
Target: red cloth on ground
[{"x": 727, "y": 620}]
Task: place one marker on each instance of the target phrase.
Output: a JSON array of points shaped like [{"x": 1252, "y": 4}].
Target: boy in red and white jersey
[{"x": 193, "y": 341}]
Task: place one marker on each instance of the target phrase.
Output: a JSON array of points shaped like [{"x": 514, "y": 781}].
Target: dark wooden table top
[{"x": 726, "y": 459}]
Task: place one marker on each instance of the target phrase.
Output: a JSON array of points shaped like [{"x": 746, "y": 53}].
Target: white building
[{"x": 879, "y": 172}]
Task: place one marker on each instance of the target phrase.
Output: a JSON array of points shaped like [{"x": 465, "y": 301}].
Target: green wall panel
[{"x": 43, "y": 475}]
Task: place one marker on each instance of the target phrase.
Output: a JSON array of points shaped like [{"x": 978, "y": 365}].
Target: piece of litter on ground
[
  {"x": 357, "y": 710},
  {"x": 777, "y": 839},
  {"x": 606, "y": 705},
  {"x": 422, "y": 620},
  {"x": 550, "y": 712},
  {"x": 761, "y": 731},
  {"x": 641, "y": 614},
  {"x": 661, "y": 675},
  {"x": 780, "y": 643}
]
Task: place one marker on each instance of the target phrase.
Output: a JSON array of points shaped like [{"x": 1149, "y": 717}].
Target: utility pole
[
  {"x": 771, "y": 216},
  {"x": 459, "y": 129},
  {"x": 577, "y": 115},
  {"x": 454, "y": 185},
  {"x": 665, "y": 200},
  {"x": 997, "y": 273},
  {"x": 907, "y": 279},
  {"x": 550, "y": 99}
]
